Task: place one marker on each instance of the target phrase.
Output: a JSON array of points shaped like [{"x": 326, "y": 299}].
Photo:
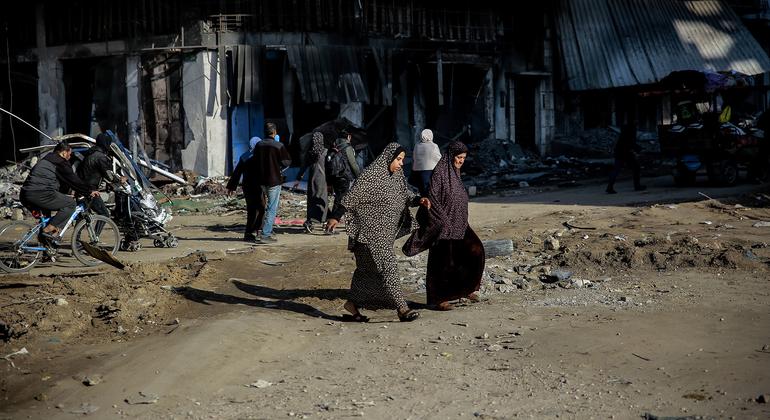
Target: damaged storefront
[{"x": 615, "y": 73}]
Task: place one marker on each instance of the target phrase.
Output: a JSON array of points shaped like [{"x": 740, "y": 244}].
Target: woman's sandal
[
  {"x": 354, "y": 315},
  {"x": 408, "y": 316},
  {"x": 474, "y": 297}
]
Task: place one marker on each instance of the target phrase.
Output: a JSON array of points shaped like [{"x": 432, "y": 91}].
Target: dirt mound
[
  {"x": 93, "y": 306},
  {"x": 652, "y": 253}
]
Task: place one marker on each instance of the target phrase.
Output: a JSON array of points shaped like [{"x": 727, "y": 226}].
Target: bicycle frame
[{"x": 43, "y": 223}]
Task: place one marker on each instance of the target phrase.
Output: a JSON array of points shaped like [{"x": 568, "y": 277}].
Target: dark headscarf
[
  {"x": 103, "y": 141},
  {"x": 400, "y": 149},
  {"x": 448, "y": 215}
]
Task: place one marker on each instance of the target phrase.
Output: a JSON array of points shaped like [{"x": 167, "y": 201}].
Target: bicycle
[{"x": 21, "y": 247}]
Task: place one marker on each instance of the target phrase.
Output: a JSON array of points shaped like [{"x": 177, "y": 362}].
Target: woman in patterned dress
[
  {"x": 376, "y": 210},
  {"x": 456, "y": 256}
]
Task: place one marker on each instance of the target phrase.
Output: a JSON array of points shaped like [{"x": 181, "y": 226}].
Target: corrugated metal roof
[
  {"x": 614, "y": 43},
  {"x": 328, "y": 73}
]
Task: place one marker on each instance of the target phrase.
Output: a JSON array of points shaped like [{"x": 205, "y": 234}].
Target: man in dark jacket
[
  {"x": 252, "y": 192},
  {"x": 43, "y": 186},
  {"x": 97, "y": 166},
  {"x": 269, "y": 160}
]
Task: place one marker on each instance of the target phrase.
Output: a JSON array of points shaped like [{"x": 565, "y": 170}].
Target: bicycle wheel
[
  {"x": 15, "y": 240},
  {"x": 98, "y": 231}
]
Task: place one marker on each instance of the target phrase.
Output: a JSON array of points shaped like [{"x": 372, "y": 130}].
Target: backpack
[{"x": 336, "y": 164}]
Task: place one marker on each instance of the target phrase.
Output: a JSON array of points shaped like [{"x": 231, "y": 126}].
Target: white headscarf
[
  {"x": 426, "y": 136},
  {"x": 253, "y": 142}
]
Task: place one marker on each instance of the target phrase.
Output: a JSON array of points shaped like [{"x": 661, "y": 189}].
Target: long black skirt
[{"x": 455, "y": 268}]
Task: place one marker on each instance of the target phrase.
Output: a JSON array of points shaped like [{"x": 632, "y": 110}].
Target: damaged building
[
  {"x": 188, "y": 83},
  {"x": 614, "y": 58}
]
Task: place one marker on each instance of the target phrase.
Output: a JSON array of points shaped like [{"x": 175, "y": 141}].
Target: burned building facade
[{"x": 187, "y": 83}]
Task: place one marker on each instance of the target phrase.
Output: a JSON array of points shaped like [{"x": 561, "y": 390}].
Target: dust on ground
[{"x": 601, "y": 310}]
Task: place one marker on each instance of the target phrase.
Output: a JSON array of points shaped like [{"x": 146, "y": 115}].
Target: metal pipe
[{"x": 20, "y": 119}]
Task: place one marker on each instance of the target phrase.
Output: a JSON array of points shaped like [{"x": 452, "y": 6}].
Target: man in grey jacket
[{"x": 42, "y": 190}]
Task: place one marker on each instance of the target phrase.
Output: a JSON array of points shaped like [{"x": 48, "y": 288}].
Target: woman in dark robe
[
  {"x": 317, "y": 193},
  {"x": 456, "y": 257},
  {"x": 376, "y": 210}
]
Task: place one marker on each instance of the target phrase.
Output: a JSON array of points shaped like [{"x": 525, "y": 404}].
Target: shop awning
[{"x": 614, "y": 43}]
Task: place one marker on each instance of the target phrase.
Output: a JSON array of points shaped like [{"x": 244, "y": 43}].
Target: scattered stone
[
  {"x": 561, "y": 274},
  {"x": 61, "y": 302},
  {"x": 580, "y": 283},
  {"x": 494, "y": 347},
  {"x": 498, "y": 248},
  {"x": 551, "y": 244},
  {"x": 506, "y": 288},
  {"x": 85, "y": 408},
  {"x": 261, "y": 383},
  {"x": 143, "y": 398},
  {"x": 761, "y": 223},
  {"x": 93, "y": 380},
  {"x": 763, "y": 398}
]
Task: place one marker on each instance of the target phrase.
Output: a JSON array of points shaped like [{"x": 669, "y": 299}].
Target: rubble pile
[
  {"x": 11, "y": 179},
  {"x": 503, "y": 165},
  {"x": 594, "y": 143},
  {"x": 213, "y": 186},
  {"x": 293, "y": 204}
]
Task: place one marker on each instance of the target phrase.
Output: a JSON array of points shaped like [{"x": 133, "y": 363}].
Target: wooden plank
[
  {"x": 440, "y": 77},
  {"x": 311, "y": 72}
]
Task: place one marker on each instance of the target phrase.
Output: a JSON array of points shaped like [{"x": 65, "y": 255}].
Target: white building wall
[
  {"x": 205, "y": 150},
  {"x": 50, "y": 92},
  {"x": 132, "y": 101}
]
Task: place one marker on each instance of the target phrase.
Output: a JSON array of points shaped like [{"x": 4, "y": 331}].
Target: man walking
[
  {"x": 269, "y": 160},
  {"x": 626, "y": 149}
]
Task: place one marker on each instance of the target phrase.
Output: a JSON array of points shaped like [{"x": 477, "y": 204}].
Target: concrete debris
[
  {"x": 498, "y": 248},
  {"x": 261, "y": 383},
  {"x": 551, "y": 244},
  {"x": 85, "y": 408},
  {"x": 143, "y": 398},
  {"x": 93, "y": 380}
]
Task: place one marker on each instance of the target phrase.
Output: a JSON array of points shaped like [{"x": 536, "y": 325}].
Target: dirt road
[{"x": 665, "y": 312}]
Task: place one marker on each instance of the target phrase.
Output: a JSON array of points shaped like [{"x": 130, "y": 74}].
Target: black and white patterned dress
[{"x": 377, "y": 212}]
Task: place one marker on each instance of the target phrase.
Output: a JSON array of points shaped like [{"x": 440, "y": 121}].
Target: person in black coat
[
  {"x": 97, "y": 166},
  {"x": 626, "y": 151}
]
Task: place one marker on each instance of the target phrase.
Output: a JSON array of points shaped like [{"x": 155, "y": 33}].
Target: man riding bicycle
[{"x": 43, "y": 186}]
